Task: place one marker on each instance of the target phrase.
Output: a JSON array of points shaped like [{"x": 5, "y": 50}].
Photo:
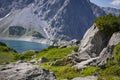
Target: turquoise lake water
[{"x": 22, "y": 46}]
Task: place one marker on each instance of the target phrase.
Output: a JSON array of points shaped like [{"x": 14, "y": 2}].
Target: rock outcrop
[
  {"x": 107, "y": 52},
  {"x": 95, "y": 48},
  {"x": 93, "y": 42},
  {"x": 73, "y": 42},
  {"x": 86, "y": 78},
  {"x": 24, "y": 71}
]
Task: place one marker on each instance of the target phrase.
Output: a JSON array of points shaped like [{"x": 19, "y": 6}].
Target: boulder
[
  {"x": 91, "y": 45},
  {"x": 107, "y": 52},
  {"x": 20, "y": 61},
  {"x": 93, "y": 42},
  {"x": 42, "y": 60},
  {"x": 73, "y": 42},
  {"x": 95, "y": 49},
  {"x": 86, "y": 63},
  {"x": 86, "y": 78},
  {"x": 25, "y": 71},
  {"x": 33, "y": 61}
]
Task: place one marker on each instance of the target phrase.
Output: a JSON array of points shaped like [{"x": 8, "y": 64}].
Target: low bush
[
  {"x": 28, "y": 55},
  {"x": 108, "y": 24}
]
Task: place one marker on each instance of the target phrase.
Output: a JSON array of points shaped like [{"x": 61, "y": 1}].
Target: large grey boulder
[
  {"x": 91, "y": 45},
  {"x": 24, "y": 71},
  {"x": 95, "y": 49},
  {"x": 93, "y": 42}
]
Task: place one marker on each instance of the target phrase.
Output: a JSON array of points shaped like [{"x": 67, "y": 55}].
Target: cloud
[{"x": 115, "y": 2}]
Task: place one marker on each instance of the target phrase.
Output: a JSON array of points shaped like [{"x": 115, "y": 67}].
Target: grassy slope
[
  {"x": 59, "y": 55},
  {"x": 6, "y": 54},
  {"x": 55, "y": 53},
  {"x": 64, "y": 70}
]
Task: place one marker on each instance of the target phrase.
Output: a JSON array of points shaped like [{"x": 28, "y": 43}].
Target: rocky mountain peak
[{"x": 53, "y": 19}]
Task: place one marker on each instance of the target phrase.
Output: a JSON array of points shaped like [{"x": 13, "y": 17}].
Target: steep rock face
[
  {"x": 24, "y": 71},
  {"x": 54, "y": 19},
  {"x": 107, "y": 52},
  {"x": 92, "y": 43},
  {"x": 9, "y": 5}
]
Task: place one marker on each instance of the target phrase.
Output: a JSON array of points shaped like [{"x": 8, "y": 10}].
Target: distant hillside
[{"x": 113, "y": 11}]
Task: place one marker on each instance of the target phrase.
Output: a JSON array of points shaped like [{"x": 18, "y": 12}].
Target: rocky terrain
[
  {"x": 95, "y": 57},
  {"x": 95, "y": 48},
  {"x": 24, "y": 71}
]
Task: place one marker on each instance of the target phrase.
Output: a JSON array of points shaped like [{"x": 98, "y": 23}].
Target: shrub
[
  {"x": 76, "y": 49},
  {"x": 2, "y": 44},
  {"x": 108, "y": 24},
  {"x": 25, "y": 56}
]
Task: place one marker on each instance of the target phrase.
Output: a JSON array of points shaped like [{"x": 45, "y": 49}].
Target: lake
[{"x": 22, "y": 46}]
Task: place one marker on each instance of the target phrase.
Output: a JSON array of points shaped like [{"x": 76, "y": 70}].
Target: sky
[{"x": 107, "y": 3}]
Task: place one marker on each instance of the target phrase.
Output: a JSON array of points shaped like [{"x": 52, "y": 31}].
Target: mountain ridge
[{"x": 52, "y": 19}]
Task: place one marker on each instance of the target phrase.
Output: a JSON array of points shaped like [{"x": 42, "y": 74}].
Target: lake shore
[{"x": 29, "y": 39}]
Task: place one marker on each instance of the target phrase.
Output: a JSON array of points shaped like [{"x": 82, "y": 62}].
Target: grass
[
  {"x": 62, "y": 72},
  {"x": 109, "y": 77},
  {"x": 6, "y": 57},
  {"x": 91, "y": 70},
  {"x": 55, "y": 53},
  {"x": 117, "y": 53},
  {"x": 112, "y": 70},
  {"x": 6, "y": 54},
  {"x": 28, "y": 55},
  {"x": 62, "y": 69}
]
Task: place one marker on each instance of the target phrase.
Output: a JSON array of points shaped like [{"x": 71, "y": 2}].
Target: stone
[
  {"x": 93, "y": 42},
  {"x": 73, "y": 42},
  {"x": 20, "y": 61},
  {"x": 33, "y": 61},
  {"x": 42, "y": 60},
  {"x": 107, "y": 52},
  {"x": 95, "y": 49},
  {"x": 84, "y": 64},
  {"x": 86, "y": 78},
  {"x": 25, "y": 71}
]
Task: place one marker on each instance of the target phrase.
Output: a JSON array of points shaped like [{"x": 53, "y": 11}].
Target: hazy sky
[{"x": 107, "y": 3}]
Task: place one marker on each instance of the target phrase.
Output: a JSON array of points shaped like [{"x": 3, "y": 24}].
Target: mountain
[
  {"x": 51, "y": 19},
  {"x": 113, "y": 11},
  {"x": 10, "y": 5}
]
